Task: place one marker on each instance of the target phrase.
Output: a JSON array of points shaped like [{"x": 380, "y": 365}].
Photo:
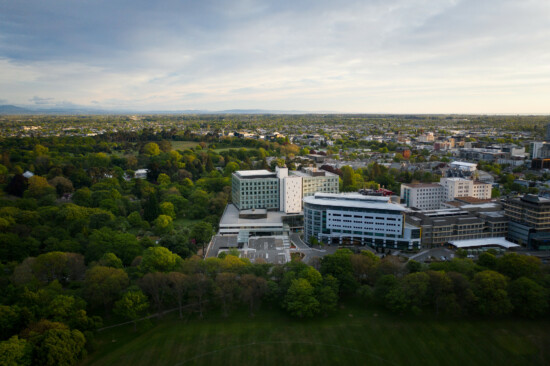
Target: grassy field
[
  {"x": 219, "y": 150},
  {"x": 353, "y": 337},
  {"x": 181, "y": 223},
  {"x": 182, "y": 145}
]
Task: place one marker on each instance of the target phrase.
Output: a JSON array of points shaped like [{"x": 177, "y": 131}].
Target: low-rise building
[{"x": 439, "y": 227}]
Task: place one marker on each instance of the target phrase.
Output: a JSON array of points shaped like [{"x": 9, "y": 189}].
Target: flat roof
[
  {"x": 255, "y": 173},
  {"x": 300, "y": 173},
  {"x": 422, "y": 185},
  {"x": 354, "y": 200},
  {"x": 499, "y": 241},
  {"x": 230, "y": 219},
  {"x": 465, "y": 164}
]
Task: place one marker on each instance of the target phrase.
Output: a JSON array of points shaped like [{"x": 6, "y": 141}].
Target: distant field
[
  {"x": 232, "y": 148},
  {"x": 182, "y": 145},
  {"x": 354, "y": 337},
  {"x": 181, "y": 223}
]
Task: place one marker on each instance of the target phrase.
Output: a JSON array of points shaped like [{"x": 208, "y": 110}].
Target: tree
[
  {"x": 202, "y": 233},
  {"x": 151, "y": 208},
  {"x": 515, "y": 266},
  {"x": 339, "y": 266},
  {"x": 201, "y": 287},
  {"x": 415, "y": 286},
  {"x": 327, "y": 294},
  {"x": 167, "y": 208},
  {"x": 60, "y": 347},
  {"x": 440, "y": 292},
  {"x": 132, "y": 306},
  {"x": 528, "y": 297},
  {"x": 163, "y": 179},
  {"x": 105, "y": 240},
  {"x": 348, "y": 177},
  {"x": 158, "y": 259},
  {"x": 17, "y": 185},
  {"x": 50, "y": 266},
  {"x": 490, "y": 288},
  {"x": 155, "y": 285},
  {"x": 163, "y": 224},
  {"x": 39, "y": 187},
  {"x": 151, "y": 149},
  {"x": 179, "y": 286},
  {"x": 15, "y": 352},
  {"x": 300, "y": 300},
  {"x": 110, "y": 260},
  {"x": 230, "y": 168},
  {"x": 252, "y": 290},
  {"x": 487, "y": 260},
  {"x": 102, "y": 285},
  {"x": 9, "y": 320},
  {"x": 414, "y": 266},
  {"x": 227, "y": 288},
  {"x": 62, "y": 185}
]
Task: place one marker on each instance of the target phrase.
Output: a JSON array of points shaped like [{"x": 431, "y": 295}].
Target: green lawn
[
  {"x": 182, "y": 145},
  {"x": 219, "y": 150},
  {"x": 181, "y": 223},
  {"x": 353, "y": 337}
]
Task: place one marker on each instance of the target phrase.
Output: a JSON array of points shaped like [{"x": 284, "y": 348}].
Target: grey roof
[
  {"x": 260, "y": 173},
  {"x": 354, "y": 200},
  {"x": 231, "y": 218}
]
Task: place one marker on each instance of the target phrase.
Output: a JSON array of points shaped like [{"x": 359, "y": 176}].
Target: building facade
[
  {"x": 251, "y": 189},
  {"x": 431, "y": 196},
  {"x": 529, "y": 221},
  {"x": 460, "y": 187},
  {"x": 423, "y": 196},
  {"x": 280, "y": 190},
  {"x": 356, "y": 219},
  {"x": 439, "y": 227},
  {"x": 316, "y": 180}
]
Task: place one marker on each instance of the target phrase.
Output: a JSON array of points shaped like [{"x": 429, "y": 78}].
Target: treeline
[
  {"x": 493, "y": 286},
  {"x": 47, "y": 300}
]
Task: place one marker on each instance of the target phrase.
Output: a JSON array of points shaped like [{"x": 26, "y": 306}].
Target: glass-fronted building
[{"x": 345, "y": 219}]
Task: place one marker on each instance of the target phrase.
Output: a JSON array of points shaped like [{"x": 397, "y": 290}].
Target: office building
[
  {"x": 423, "y": 196},
  {"x": 358, "y": 219},
  {"x": 469, "y": 222},
  {"x": 280, "y": 190},
  {"x": 430, "y": 196},
  {"x": 255, "y": 189},
  {"x": 529, "y": 221}
]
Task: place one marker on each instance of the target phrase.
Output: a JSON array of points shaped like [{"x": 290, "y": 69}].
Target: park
[{"x": 356, "y": 335}]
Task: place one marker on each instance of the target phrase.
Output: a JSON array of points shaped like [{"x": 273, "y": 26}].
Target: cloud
[
  {"x": 351, "y": 56},
  {"x": 39, "y": 100}
]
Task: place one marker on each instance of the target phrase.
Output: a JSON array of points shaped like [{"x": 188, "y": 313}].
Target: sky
[{"x": 371, "y": 56}]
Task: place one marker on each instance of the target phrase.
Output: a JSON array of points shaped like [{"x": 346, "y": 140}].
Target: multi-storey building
[
  {"x": 357, "y": 219},
  {"x": 442, "y": 226},
  {"x": 290, "y": 191},
  {"x": 460, "y": 187},
  {"x": 424, "y": 196},
  {"x": 430, "y": 196},
  {"x": 482, "y": 190},
  {"x": 280, "y": 190},
  {"x": 529, "y": 221},
  {"x": 255, "y": 189},
  {"x": 316, "y": 180}
]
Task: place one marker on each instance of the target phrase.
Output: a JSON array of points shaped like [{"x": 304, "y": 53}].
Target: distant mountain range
[{"x": 15, "y": 110}]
